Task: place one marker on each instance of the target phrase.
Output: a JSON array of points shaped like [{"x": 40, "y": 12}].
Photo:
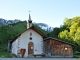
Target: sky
[{"x": 51, "y": 12}]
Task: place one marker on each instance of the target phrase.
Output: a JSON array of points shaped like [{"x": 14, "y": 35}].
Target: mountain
[
  {"x": 41, "y": 25},
  {"x": 6, "y": 22},
  {"x": 44, "y": 27}
]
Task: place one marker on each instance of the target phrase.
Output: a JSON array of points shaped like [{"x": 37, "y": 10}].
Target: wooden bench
[{"x": 39, "y": 55}]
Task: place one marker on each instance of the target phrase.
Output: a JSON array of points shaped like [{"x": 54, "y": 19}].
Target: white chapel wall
[
  {"x": 24, "y": 40},
  {"x": 36, "y": 39},
  {"x": 14, "y": 46}
]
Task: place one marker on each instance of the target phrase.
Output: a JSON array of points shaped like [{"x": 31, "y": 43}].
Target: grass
[{"x": 5, "y": 55}]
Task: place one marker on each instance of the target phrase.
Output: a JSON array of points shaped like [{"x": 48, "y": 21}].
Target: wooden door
[{"x": 30, "y": 48}]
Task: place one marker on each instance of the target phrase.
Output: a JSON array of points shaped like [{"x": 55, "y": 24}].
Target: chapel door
[{"x": 30, "y": 48}]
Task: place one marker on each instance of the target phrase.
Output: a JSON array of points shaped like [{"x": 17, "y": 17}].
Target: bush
[
  {"x": 76, "y": 56},
  {"x": 77, "y": 53}
]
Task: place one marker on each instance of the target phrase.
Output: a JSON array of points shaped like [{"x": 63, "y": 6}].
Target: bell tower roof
[
  {"x": 29, "y": 18},
  {"x": 29, "y": 23}
]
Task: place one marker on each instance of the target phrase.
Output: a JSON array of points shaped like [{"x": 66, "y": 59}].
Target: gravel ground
[{"x": 39, "y": 59}]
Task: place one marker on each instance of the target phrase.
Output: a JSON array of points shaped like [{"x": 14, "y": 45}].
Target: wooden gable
[{"x": 57, "y": 41}]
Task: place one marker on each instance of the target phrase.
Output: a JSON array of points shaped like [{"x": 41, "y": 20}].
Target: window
[
  {"x": 66, "y": 48},
  {"x": 30, "y": 38},
  {"x": 30, "y": 34}
]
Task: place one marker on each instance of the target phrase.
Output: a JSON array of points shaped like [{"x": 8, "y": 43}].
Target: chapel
[{"x": 33, "y": 42}]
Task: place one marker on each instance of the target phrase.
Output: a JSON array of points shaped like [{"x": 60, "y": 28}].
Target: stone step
[{"x": 30, "y": 56}]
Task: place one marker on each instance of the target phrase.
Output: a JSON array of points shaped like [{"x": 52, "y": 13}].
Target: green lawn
[{"x": 5, "y": 55}]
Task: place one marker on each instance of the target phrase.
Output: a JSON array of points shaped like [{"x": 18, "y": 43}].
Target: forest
[
  {"x": 9, "y": 32},
  {"x": 69, "y": 32}
]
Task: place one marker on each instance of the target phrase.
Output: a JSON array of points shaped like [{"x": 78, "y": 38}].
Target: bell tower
[{"x": 29, "y": 23}]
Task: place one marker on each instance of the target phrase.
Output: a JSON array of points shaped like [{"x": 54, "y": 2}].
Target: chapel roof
[
  {"x": 35, "y": 28},
  {"x": 48, "y": 38}
]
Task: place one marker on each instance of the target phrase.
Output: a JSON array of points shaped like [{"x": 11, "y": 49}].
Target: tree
[
  {"x": 54, "y": 33},
  {"x": 77, "y": 36},
  {"x": 64, "y": 35},
  {"x": 71, "y": 31}
]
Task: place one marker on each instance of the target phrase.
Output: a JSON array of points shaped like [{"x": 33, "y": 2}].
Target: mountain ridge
[{"x": 41, "y": 25}]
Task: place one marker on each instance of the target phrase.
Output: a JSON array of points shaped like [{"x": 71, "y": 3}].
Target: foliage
[
  {"x": 77, "y": 53},
  {"x": 5, "y": 55},
  {"x": 74, "y": 30},
  {"x": 76, "y": 56},
  {"x": 54, "y": 33},
  {"x": 9, "y": 32}
]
